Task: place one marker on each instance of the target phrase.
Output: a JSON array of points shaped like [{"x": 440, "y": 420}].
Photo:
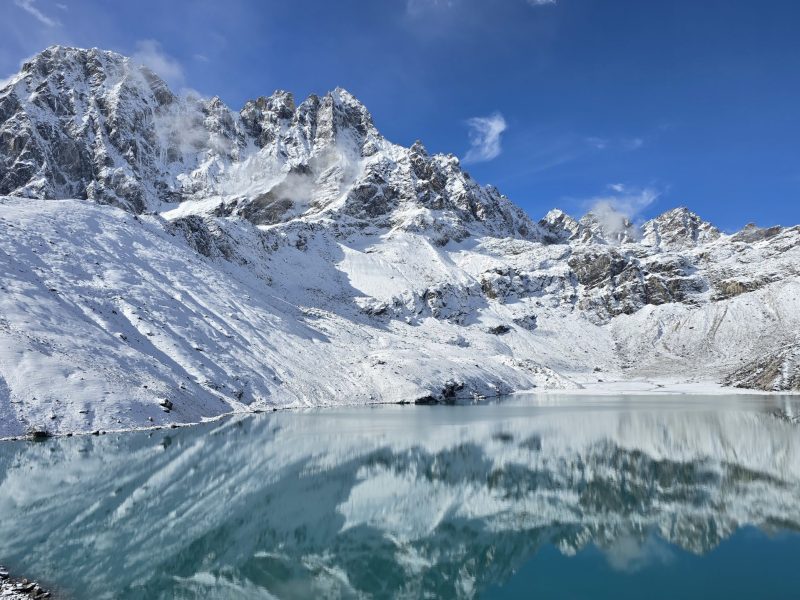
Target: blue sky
[{"x": 650, "y": 104}]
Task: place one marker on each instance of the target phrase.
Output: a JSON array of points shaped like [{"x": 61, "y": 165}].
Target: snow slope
[
  {"x": 290, "y": 255},
  {"x": 106, "y": 315}
]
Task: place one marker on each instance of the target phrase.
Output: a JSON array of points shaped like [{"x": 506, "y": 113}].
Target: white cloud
[
  {"x": 597, "y": 143},
  {"x": 623, "y": 143},
  {"x": 484, "y": 138},
  {"x": 617, "y": 210},
  {"x": 633, "y": 143},
  {"x": 630, "y": 554},
  {"x": 418, "y": 7},
  {"x": 29, "y": 6},
  {"x": 149, "y": 54}
]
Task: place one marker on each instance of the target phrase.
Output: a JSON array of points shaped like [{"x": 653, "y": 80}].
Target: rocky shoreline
[{"x": 20, "y": 589}]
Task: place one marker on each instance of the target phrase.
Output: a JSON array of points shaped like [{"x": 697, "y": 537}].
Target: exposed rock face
[
  {"x": 678, "y": 229},
  {"x": 752, "y": 233},
  {"x": 558, "y": 227},
  {"x": 775, "y": 372},
  {"x": 91, "y": 124},
  {"x": 615, "y": 282},
  {"x": 204, "y": 236}
]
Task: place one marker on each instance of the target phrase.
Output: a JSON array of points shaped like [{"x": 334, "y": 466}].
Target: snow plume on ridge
[
  {"x": 295, "y": 184},
  {"x": 150, "y": 54},
  {"x": 484, "y": 137},
  {"x": 4, "y": 81},
  {"x": 330, "y": 170},
  {"x": 615, "y": 212},
  {"x": 182, "y": 126}
]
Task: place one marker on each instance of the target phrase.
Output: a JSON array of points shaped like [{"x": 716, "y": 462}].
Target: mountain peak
[
  {"x": 677, "y": 229},
  {"x": 419, "y": 148},
  {"x": 69, "y": 69},
  {"x": 347, "y": 112},
  {"x": 60, "y": 60},
  {"x": 344, "y": 98},
  {"x": 80, "y": 123},
  {"x": 558, "y": 226}
]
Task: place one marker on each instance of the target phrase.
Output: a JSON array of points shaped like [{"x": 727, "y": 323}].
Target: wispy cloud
[
  {"x": 418, "y": 7},
  {"x": 597, "y": 143},
  {"x": 624, "y": 143},
  {"x": 484, "y": 138},
  {"x": 633, "y": 143},
  {"x": 624, "y": 199},
  {"x": 629, "y": 554},
  {"x": 150, "y": 54},
  {"x": 29, "y": 6},
  {"x": 621, "y": 205}
]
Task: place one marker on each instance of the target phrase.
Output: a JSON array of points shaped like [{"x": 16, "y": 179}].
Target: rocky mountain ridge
[
  {"x": 175, "y": 253},
  {"x": 92, "y": 124}
]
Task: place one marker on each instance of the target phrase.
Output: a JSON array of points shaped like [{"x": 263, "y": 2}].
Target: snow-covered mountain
[
  {"x": 93, "y": 125},
  {"x": 164, "y": 253}
]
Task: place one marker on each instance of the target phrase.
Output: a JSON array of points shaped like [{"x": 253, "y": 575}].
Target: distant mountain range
[{"x": 166, "y": 259}]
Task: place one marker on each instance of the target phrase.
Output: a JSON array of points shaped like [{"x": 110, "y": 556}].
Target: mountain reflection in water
[{"x": 395, "y": 501}]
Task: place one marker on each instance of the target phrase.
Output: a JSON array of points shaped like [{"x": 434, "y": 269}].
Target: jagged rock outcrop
[
  {"x": 615, "y": 282},
  {"x": 678, "y": 229},
  {"x": 92, "y": 124},
  {"x": 558, "y": 227},
  {"x": 774, "y": 372}
]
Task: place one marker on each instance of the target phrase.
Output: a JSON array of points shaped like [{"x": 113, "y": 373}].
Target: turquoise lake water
[{"x": 523, "y": 497}]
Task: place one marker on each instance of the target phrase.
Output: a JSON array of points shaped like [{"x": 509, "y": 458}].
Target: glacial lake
[{"x": 528, "y": 496}]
